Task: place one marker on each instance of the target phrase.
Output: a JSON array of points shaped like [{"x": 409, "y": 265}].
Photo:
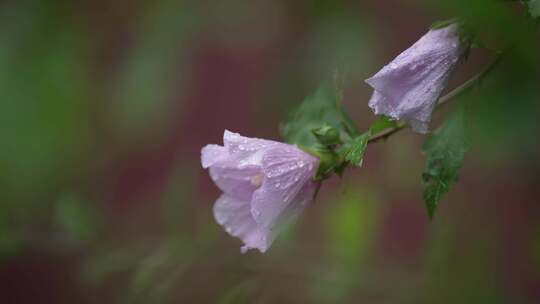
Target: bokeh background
[{"x": 105, "y": 105}]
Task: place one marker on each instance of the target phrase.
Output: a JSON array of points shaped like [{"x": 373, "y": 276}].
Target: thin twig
[{"x": 469, "y": 84}]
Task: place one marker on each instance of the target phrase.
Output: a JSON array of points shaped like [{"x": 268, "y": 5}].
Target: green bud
[{"x": 327, "y": 135}]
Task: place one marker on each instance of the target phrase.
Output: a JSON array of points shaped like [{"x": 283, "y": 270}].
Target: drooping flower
[
  {"x": 266, "y": 185},
  {"x": 408, "y": 88}
]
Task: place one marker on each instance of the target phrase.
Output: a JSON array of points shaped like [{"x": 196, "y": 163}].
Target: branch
[{"x": 465, "y": 87}]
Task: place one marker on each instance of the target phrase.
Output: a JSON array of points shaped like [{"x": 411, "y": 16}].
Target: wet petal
[
  {"x": 236, "y": 182},
  {"x": 266, "y": 186},
  {"x": 408, "y": 88},
  {"x": 237, "y": 143},
  {"x": 287, "y": 169},
  {"x": 212, "y": 154},
  {"x": 235, "y": 170},
  {"x": 235, "y": 217},
  {"x": 295, "y": 208}
]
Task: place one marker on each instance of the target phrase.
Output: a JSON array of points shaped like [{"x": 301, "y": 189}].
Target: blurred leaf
[
  {"x": 237, "y": 294},
  {"x": 77, "y": 217},
  {"x": 323, "y": 108},
  {"x": 445, "y": 151},
  {"x": 44, "y": 121},
  {"x": 534, "y": 8},
  {"x": 494, "y": 21},
  {"x": 159, "y": 272},
  {"x": 99, "y": 266},
  {"x": 350, "y": 224},
  {"x": 149, "y": 79},
  {"x": 10, "y": 242},
  {"x": 463, "y": 270}
]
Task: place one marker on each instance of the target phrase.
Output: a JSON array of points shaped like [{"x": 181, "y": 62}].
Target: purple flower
[
  {"x": 408, "y": 88},
  {"x": 266, "y": 185}
]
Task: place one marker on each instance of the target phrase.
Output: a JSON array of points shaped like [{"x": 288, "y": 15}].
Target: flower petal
[
  {"x": 235, "y": 217},
  {"x": 236, "y": 168},
  {"x": 212, "y": 154},
  {"x": 287, "y": 169},
  {"x": 234, "y": 181},
  {"x": 408, "y": 87},
  {"x": 293, "y": 210},
  {"x": 237, "y": 143}
]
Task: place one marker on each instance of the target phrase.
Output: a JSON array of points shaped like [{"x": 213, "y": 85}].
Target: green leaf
[
  {"x": 445, "y": 151},
  {"x": 383, "y": 123},
  {"x": 322, "y": 109},
  {"x": 353, "y": 151},
  {"x": 329, "y": 162},
  {"x": 318, "y": 125}
]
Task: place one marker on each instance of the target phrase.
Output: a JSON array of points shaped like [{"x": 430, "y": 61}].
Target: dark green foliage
[
  {"x": 353, "y": 151},
  {"x": 534, "y": 8},
  {"x": 318, "y": 125},
  {"x": 445, "y": 151},
  {"x": 322, "y": 109}
]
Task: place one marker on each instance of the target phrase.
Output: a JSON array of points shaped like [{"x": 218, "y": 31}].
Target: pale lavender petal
[
  {"x": 235, "y": 170},
  {"x": 235, "y": 217},
  {"x": 289, "y": 215},
  {"x": 212, "y": 154},
  {"x": 266, "y": 186},
  {"x": 380, "y": 105},
  {"x": 237, "y": 143},
  {"x": 237, "y": 182},
  {"x": 286, "y": 169},
  {"x": 408, "y": 88}
]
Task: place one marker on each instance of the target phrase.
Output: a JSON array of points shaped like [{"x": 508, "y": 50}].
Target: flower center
[{"x": 256, "y": 180}]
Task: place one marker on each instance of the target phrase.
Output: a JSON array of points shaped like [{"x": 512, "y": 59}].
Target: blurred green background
[{"x": 105, "y": 105}]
